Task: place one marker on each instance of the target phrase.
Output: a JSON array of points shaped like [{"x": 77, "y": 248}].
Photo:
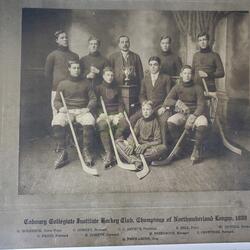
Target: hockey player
[
  {"x": 80, "y": 101},
  {"x": 110, "y": 93},
  {"x": 188, "y": 101},
  {"x": 56, "y": 66},
  {"x": 93, "y": 63},
  {"x": 207, "y": 63},
  {"x": 147, "y": 131}
]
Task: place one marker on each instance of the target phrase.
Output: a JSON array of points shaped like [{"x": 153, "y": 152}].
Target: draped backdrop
[{"x": 193, "y": 22}]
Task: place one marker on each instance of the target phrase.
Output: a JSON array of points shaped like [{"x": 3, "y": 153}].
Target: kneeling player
[
  {"x": 80, "y": 100},
  {"x": 110, "y": 93},
  {"x": 147, "y": 131},
  {"x": 189, "y": 103}
]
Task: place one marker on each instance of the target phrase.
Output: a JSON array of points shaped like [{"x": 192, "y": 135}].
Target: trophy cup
[{"x": 129, "y": 72}]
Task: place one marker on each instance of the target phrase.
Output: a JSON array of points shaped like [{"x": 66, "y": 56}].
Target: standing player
[
  {"x": 56, "y": 66},
  {"x": 170, "y": 63},
  {"x": 207, "y": 63},
  {"x": 93, "y": 63}
]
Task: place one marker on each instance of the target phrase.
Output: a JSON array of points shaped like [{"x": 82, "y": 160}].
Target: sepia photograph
[{"x": 189, "y": 68}]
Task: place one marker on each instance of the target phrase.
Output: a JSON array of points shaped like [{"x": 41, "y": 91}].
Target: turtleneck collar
[
  {"x": 97, "y": 53},
  {"x": 75, "y": 79},
  {"x": 108, "y": 85},
  {"x": 61, "y": 48},
  {"x": 150, "y": 118},
  {"x": 206, "y": 50},
  {"x": 165, "y": 53},
  {"x": 187, "y": 84}
]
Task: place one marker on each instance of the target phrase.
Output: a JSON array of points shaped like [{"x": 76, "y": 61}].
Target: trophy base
[{"x": 127, "y": 83}]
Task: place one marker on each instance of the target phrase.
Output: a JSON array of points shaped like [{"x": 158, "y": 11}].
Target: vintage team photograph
[{"x": 123, "y": 101}]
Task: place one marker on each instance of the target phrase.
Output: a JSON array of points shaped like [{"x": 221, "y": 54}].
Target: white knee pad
[
  {"x": 177, "y": 119},
  {"x": 201, "y": 121},
  {"x": 60, "y": 119},
  {"x": 86, "y": 119}
]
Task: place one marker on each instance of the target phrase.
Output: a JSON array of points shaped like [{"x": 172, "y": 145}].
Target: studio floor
[{"x": 221, "y": 170}]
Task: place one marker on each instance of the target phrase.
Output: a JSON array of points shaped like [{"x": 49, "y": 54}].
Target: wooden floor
[{"x": 217, "y": 172}]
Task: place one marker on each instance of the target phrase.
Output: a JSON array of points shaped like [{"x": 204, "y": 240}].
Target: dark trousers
[{"x": 151, "y": 153}]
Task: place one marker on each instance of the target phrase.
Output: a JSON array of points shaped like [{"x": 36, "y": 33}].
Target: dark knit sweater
[
  {"x": 77, "y": 94},
  {"x": 96, "y": 60},
  {"x": 191, "y": 94},
  {"x": 111, "y": 96},
  {"x": 209, "y": 62},
  {"x": 56, "y": 66},
  {"x": 170, "y": 63},
  {"x": 147, "y": 131},
  {"x": 156, "y": 93}
]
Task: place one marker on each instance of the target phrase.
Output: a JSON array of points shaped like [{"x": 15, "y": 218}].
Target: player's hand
[
  {"x": 116, "y": 118},
  {"x": 120, "y": 115},
  {"x": 94, "y": 70},
  {"x": 181, "y": 107},
  {"x": 202, "y": 74},
  {"x": 62, "y": 110},
  {"x": 129, "y": 150},
  {"x": 91, "y": 75},
  {"x": 140, "y": 149},
  {"x": 190, "y": 122},
  {"x": 161, "y": 111}
]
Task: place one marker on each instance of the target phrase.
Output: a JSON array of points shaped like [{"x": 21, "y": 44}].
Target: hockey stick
[
  {"x": 88, "y": 170},
  {"x": 141, "y": 174},
  {"x": 168, "y": 160},
  {"x": 118, "y": 159},
  {"x": 226, "y": 143}
]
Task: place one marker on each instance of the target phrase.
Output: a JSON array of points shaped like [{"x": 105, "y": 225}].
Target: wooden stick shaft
[
  {"x": 131, "y": 129},
  {"x": 205, "y": 85},
  {"x": 110, "y": 129},
  {"x": 73, "y": 133},
  {"x": 177, "y": 144},
  {"x": 226, "y": 143},
  {"x": 145, "y": 165}
]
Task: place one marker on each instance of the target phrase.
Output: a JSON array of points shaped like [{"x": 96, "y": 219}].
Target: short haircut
[
  {"x": 147, "y": 103},
  {"x": 91, "y": 38},
  {"x": 154, "y": 58},
  {"x": 73, "y": 62},
  {"x": 58, "y": 32},
  {"x": 106, "y": 69},
  {"x": 123, "y": 36},
  {"x": 166, "y": 37},
  {"x": 203, "y": 34},
  {"x": 186, "y": 67}
]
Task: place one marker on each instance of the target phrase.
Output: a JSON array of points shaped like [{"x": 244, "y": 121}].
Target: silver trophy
[{"x": 129, "y": 72}]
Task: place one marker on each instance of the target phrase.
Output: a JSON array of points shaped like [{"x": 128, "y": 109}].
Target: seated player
[
  {"x": 80, "y": 101},
  {"x": 110, "y": 93},
  {"x": 189, "y": 103},
  {"x": 147, "y": 131}
]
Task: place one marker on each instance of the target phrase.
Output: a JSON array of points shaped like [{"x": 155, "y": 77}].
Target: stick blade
[
  {"x": 143, "y": 173},
  {"x": 89, "y": 170},
  {"x": 126, "y": 166}
]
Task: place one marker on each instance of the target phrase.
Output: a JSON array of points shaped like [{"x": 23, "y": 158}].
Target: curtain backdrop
[{"x": 193, "y": 22}]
